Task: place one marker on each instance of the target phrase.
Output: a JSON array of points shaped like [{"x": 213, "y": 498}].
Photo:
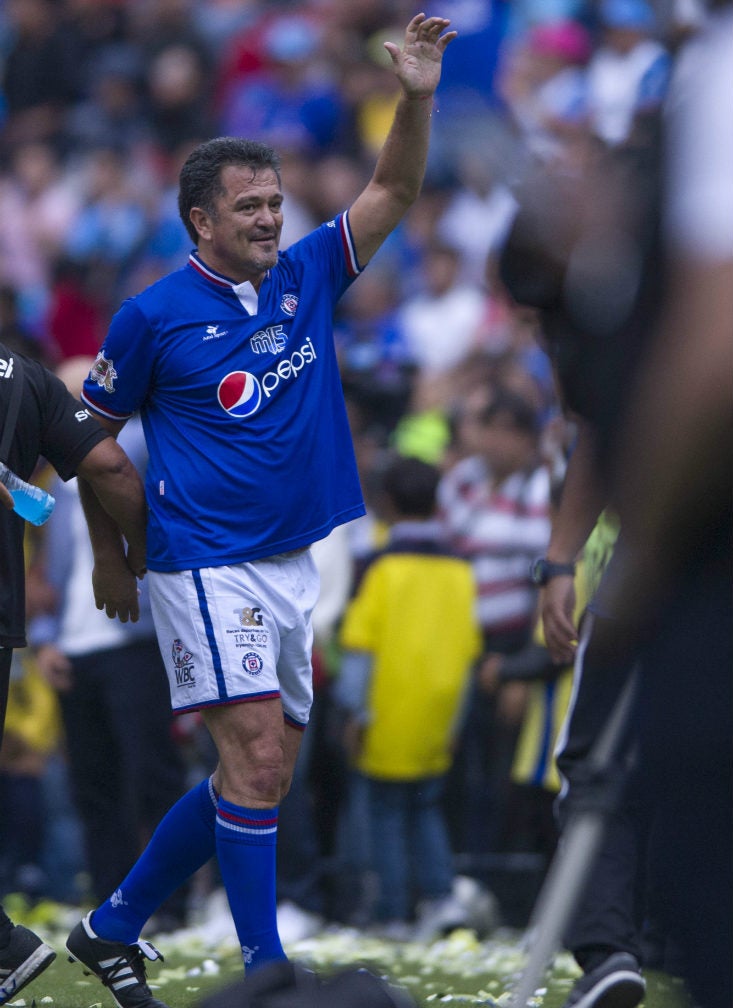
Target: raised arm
[{"x": 400, "y": 168}]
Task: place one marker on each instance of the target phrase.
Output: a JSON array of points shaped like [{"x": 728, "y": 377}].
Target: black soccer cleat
[
  {"x": 120, "y": 967},
  {"x": 21, "y": 961}
]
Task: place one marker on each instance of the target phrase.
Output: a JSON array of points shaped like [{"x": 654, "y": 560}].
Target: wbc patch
[{"x": 183, "y": 664}]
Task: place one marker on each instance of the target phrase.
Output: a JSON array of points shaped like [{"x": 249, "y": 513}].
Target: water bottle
[{"x": 30, "y": 502}]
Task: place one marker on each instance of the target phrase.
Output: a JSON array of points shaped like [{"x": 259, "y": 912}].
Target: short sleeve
[
  {"x": 69, "y": 431},
  {"x": 120, "y": 377}
]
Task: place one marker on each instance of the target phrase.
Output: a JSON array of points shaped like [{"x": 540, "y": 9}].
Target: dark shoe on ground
[
  {"x": 120, "y": 967},
  {"x": 21, "y": 961},
  {"x": 616, "y": 983}
]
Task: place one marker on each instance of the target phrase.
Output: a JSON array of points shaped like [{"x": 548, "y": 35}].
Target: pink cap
[{"x": 566, "y": 39}]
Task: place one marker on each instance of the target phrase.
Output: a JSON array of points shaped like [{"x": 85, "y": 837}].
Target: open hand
[{"x": 418, "y": 63}]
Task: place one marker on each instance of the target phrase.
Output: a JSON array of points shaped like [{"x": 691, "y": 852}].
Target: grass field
[{"x": 199, "y": 961}]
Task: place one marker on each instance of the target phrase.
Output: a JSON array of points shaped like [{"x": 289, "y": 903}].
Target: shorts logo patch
[
  {"x": 252, "y": 663},
  {"x": 251, "y": 617},
  {"x": 183, "y": 664},
  {"x": 249, "y": 631}
]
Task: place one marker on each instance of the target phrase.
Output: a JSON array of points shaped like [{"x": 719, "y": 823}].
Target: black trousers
[
  {"x": 125, "y": 768},
  {"x": 6, "y": 659},
  {"x": 686, "y": 707},
  {"x": 611, "y": 910}
]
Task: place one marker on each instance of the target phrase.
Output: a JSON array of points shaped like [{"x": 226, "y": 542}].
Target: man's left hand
[{"x": 418, "y": 63}]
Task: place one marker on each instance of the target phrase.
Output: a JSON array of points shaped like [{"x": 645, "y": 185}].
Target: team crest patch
[
  {"x": 183, "y": 664},
  {"x": 289, "y": 304},
  {"x": 252, "y": 663},
  {"x": 103, "y": 373}
]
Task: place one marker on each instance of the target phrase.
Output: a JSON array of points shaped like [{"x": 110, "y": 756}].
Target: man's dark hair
[
  {"x": 411, "y": 485},
  {"x": 200, "y": 179}
]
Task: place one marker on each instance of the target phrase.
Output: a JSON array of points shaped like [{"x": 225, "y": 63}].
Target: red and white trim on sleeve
[{"x": 352, "y": 263}]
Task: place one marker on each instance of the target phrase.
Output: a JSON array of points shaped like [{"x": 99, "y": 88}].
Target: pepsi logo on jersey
[{"x": 240, "y": 392}]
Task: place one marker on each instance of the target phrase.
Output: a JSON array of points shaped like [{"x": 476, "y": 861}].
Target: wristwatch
[{"x": 542, "y": 570}]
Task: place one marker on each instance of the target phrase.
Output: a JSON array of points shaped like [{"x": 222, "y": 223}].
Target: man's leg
[
  {"x": 106, "y": 941},
  {"x": 257, "y": 751},
  {"x": 687, "y": 711},
  {"x": 22, "y": 953},
  {"x": 6, "y": 659},
  {"x": 182, "y": 842},
  {"x": 606, "y": 921}
]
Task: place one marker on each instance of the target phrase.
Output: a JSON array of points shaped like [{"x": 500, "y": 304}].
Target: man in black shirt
[{"x": 50, "y": 423}]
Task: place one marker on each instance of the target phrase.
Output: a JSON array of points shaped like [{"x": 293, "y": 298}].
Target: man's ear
[{"x": 201, "y": 221}]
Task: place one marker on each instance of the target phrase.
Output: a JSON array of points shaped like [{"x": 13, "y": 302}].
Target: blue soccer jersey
[{"x": 241, "y": 401}]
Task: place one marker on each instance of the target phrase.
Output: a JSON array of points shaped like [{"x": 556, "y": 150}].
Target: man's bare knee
[{"x": 249, "y": 741}]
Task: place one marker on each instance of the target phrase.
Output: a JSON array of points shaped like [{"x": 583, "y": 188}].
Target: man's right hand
[
  {"x": 557, "y": 606},
  {"x": 115, "y": 589}
]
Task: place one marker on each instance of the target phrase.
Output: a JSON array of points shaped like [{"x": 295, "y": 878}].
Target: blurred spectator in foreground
[
  {"x": 661, "y": 343},
  {"x": 674, "y": 491}
]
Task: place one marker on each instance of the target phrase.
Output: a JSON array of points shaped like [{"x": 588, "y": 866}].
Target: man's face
[{"x": 241, "y": 238}]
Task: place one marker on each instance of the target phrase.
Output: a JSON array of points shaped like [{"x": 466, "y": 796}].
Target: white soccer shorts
[{"x": 238, "y": 633}]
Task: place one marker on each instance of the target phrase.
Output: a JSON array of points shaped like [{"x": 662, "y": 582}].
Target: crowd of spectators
[{"x": 100, "y": 102}]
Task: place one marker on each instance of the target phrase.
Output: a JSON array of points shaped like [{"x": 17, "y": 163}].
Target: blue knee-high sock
[
  {"x": 182, "y": 842},
  {"x": 245, "y": 846}
]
